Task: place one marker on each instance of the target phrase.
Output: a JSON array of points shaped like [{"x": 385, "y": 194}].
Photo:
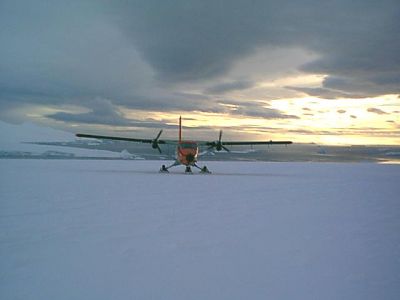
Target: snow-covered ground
[{"x": 120, "y": 230}]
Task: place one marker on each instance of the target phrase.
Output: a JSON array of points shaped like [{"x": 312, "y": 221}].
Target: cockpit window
[{"x": 188, "y": 145}]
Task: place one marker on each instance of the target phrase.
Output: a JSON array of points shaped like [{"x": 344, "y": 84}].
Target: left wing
[{"x": 259, "y": 143}]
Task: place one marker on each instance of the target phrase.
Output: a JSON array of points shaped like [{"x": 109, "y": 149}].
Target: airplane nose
[{"x": 190, "y": 158}]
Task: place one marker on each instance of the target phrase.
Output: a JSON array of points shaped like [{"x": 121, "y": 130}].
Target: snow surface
[{"x": 120, "y": 230}]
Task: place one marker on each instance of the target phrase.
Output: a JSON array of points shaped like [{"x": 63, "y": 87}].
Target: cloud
[
  {"x": 261, "y": 112},
  {"x": 376, "y": 111},
  {"x": 65, "y": 53},
  {"x": 252, "y": 109},
  {"x": 364, "y": 85},
  {"x": 229, "y": 86},
  {"x": 341, "y": 111},
  {"x": 357, "y": 42},
  {"x": 103, "y": 113},
  {"x": 164, "y": 56},
  {"x": 367, "y": 131},
  {"x": 325, "y": 93}
]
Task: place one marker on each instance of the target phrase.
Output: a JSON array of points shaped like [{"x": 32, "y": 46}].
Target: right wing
[
  {"x": 116, "y": 138},
  {"x": 154, "y": 142}
]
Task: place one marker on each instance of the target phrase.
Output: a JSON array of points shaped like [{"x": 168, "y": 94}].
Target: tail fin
[{"x": 180, "y": 129}]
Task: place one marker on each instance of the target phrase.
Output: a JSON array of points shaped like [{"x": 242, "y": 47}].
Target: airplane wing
[
  {"x": 219, "y": 144},
  {"x": 116, "y": 138},
  {"x": 255, "y": 143},
  {"x": 154, "y": 142}
]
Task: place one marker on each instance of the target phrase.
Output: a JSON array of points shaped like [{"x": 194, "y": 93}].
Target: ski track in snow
[{"x": 120, "y": 230}]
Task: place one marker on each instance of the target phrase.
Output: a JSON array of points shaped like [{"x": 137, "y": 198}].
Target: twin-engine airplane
[{"x": 187, "y": 152}]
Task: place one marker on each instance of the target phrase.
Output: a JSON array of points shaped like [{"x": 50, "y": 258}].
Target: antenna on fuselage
[{"x": 180, "y": 129}]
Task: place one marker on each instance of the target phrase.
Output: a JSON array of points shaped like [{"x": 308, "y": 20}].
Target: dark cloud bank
[
  {"x": 358, "y": 41},
  {"x": 138, "y": 53}
]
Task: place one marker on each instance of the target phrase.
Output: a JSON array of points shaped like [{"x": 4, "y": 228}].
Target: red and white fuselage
[{"x": 186, "y": 151}]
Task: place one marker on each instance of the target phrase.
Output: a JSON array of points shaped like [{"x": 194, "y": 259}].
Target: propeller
[
  {"x": 218, "y": 144},
  {"x": 154, "y": 143}
]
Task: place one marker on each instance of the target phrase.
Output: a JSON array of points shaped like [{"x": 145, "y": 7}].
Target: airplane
[{"x": 187, "y": 152}]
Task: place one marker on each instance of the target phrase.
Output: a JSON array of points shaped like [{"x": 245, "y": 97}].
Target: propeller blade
[
  {"x": 226, "y": 149},
  {"x": 154, "y": 143},
  {"x": 158, "y": 135},
  {"x": 220, "y": 136}
]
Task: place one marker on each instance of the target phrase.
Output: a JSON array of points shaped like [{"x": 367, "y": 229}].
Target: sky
[{"x": 326, "y": 72}]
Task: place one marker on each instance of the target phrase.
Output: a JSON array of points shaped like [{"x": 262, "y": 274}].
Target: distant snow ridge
[
  {"x": 59, "y": 154},
  {"x": 392, "y": 153},
  {"x": 126, "y": 155}
]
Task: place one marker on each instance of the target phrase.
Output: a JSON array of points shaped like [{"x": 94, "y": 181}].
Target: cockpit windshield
[{"x": 188, "y": 145}]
